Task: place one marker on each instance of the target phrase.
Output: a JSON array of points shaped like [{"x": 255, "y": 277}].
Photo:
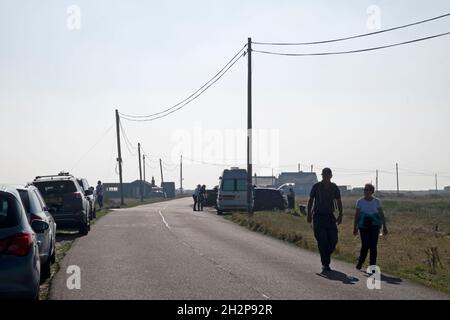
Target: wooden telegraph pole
[{"x": 119, "y": 156}]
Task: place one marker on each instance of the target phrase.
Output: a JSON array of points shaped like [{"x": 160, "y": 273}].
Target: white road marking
[{"x": 164, "y": 220}]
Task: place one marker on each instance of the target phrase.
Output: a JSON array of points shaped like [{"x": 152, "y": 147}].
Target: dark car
[
  {"x": 89, "y": 193},
  {"x": 65, "y": 197},
  {"x": 269, "y": 199},
  {"x": 211, "y": 197},
  {"x": 20, "y": 266}
]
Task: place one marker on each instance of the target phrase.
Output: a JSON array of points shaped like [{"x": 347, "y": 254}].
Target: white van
[{"x": 232, "y": 193}]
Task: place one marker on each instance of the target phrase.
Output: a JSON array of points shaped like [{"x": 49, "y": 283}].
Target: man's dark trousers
[{"x": 326, "y": 234}]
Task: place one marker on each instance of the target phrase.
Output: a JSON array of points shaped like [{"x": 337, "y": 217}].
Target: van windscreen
[{"x": 234, "y": 185}]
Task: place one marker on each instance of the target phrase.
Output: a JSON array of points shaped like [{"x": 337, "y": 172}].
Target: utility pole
[
  {"x": 299, "y": 167},
  {"x": 396, "y": 171},
  {"x": 249, "y": 128},
  {"x": 312, "y": 168},
  {"x": 181, "y": 174},
  {"x": 119, "y": 156},
  {"x": 436, "y": 180},
  {"x": 160, "y": 167},
  {"x": 143, "y": 166},
  {"x": 140, "y": 173},
  {"x": 376, "y": 182}
]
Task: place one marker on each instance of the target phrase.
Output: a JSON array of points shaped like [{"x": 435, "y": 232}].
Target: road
[{"x": 167, "y": 251}]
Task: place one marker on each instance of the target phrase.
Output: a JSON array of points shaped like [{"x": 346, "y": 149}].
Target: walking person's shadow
[
  {"x": 334, "y": 275},
  {"x": 387, "y": 279}
]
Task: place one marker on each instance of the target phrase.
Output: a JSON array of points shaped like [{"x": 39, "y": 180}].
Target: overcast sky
[{"x": 60, "y": 84}]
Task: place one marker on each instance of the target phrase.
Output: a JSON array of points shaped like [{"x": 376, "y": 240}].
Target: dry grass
[{"x": 417, "y": 247}]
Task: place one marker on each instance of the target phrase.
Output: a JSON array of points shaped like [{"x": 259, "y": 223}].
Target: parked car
[
  {"x": 20, "y": 266},
  {"x": 232, "y": 193},
  {"x": 64, "y": 195},
  {"x": 269, "y": 199},
  {"x": 158, "y": 194},
  {"x": 36, "y": 209},
  {"x": 211, "y": 197},
  {"x": 89, "y": 194}
]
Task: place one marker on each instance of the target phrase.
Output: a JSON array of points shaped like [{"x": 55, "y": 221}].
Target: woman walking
[{"x": 369, "y": 219}]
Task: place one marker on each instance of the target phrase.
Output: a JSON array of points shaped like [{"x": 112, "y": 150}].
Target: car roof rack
[{"x": 58, "y": 176}]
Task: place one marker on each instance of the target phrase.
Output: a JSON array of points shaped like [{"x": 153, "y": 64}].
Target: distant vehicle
[
  {"x": 232, "y": 193},
  {"x": 20, "y": 265},
  {"x": 269, "y": 199},
  {"x": 285, "y": 187},
  {"x": 89, "y": 193},
  {"x": 158, "y": 194},
  {"x": 211, "y": 197},
  {"x": 36, "y": 209},
  {"x": 64, "y": 195}
]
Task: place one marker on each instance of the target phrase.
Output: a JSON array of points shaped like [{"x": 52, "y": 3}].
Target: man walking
[
  {"x": 321, "y": 206},
  {"x": 99, "y": 194}
]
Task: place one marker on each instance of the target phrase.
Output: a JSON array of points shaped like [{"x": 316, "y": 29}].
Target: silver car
[
  {"x": 20, "y": 265},
  {"x": 36, "y": 209}
]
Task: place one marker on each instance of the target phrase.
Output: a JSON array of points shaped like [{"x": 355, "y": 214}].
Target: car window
[
  {"x": 228, "y": 185},
  {"x": 56, "y": 187},
  {"x": 30, "y": 201},
  {"x": 9, "y": 211},
  {"x": 25, "y": 200},
  {"x": 241, "y": 185},
  {"x": 36, "y": 204},
  {"x": 41, "y": 201}
]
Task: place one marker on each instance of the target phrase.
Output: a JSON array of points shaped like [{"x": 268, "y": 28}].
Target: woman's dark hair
[{"x": 369, "y": 187}]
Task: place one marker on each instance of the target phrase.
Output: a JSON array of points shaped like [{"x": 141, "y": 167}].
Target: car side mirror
[
  {"x": 50, "y": 210},
  {"x": 88, "y": 192},
  {"x": 39, "y": 226}
]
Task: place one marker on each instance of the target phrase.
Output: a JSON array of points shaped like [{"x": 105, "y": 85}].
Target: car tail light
[
  {"x": 35, "y": 217},
  {"x": 76, "y": 195},
  {"x": 17, "y": 245}
]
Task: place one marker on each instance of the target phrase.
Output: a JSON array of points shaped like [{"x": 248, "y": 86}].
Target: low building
[
  {"x": 447, "y": 189},
  {"x": 169, "y": 189},
  {"x": 132, "y": 190},
  {"x": 264, "y": 181}
]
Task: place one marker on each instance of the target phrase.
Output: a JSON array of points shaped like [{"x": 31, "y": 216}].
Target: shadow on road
[
  {"x": 388, "y": 279},
  {"x": 334, "y": 275}
]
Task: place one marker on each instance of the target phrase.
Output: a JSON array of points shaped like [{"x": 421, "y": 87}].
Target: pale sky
[{"x": 59, "y": 88}]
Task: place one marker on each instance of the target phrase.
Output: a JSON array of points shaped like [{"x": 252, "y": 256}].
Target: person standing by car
[
  {"x": 196, "y": 196},
  {"x": 202, "y": 197},
  {"x": 99, "y": 193},
  {"x": 321, "y": 206},
  {"x": 369, "y": 218},
  {"x": 291, "y": 199}
]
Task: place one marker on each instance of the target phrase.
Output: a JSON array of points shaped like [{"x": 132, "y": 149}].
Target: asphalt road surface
[{"x": 167, "y": 251}]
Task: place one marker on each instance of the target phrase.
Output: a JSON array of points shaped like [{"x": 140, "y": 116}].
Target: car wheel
[
  {"x": 53, "y": 257},
  {"x": 84, "y": 227},
  {"x": 46, "y": 269},
  {"x": 219, "y": 212}
]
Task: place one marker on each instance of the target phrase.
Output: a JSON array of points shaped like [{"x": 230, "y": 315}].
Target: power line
[
  {"x": 351, "y": 37},
  {"x": 191, "y": 97},
  {"x": 351, "y": 51},
  {"x": 128, "y": 143},
  {"x": 93, "y": 146}
]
